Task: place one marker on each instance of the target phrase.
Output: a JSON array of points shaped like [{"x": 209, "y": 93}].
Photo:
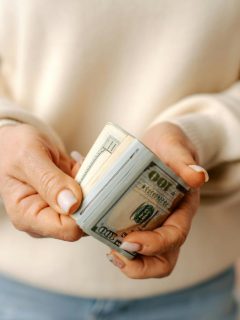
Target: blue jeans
[{"x": 211, "y": 300}]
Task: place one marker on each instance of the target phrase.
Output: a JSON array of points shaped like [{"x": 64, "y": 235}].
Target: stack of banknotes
[{"x": 125, "y": 188}]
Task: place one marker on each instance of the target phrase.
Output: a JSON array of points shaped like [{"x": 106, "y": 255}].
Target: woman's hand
[
  {"x": 159, "y": 248},
  {"x": 36, "y": 184}
]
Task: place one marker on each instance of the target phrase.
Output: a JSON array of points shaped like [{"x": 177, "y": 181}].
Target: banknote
[
  {"x": 107, "y": 142},
  {"x": 126, "y": 188}
]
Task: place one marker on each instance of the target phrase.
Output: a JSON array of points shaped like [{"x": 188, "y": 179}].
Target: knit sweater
[{"x": 68, "y": 67}]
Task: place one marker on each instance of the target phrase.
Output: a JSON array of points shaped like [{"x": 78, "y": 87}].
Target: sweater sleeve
[
  {"x": 11, "y": 114},
  {"x": 212, "y": 122}
]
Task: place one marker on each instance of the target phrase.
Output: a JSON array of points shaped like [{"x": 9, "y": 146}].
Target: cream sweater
[{"x": 70, "y": 66}]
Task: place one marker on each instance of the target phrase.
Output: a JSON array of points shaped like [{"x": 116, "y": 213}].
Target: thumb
[
  {"x": 182, "y": 162},
  {"x": 61, "y": 192},
  {"x": 174, "y": 148}
]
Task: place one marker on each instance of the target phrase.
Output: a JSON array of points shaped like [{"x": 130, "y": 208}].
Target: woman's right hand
[{"x": 37, "y": 185}]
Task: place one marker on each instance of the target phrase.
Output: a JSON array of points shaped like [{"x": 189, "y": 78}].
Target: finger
[
  {"x": 57, "y": 188},
  {"x": 30, "y": 213},
  {"x": 145, "y": 267},
  {"x": 77, "y": 156},
  {"x": 65, "y": 164},
  {"x": 48, "y": 223},
  {"x": 75, "y": 169},
  {"x": 78, "y": 162},
  {"x": 171, "y": 235}
]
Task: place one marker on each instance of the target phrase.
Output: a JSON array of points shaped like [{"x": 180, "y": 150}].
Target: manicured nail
[
  {"x": 116, "y": 261},
  {"x": 76, "y": 156},
  {"x": 130, "y": 246},
  {"x": 66, "y": 200},
  {"x": 197, "y": 168}
]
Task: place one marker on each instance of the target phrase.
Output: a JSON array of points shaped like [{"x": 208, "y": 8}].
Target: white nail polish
[
  {"x": 200, "y": 169},
  {"x": 116, "y": 261},
  {"x": 130, "y": 246},
  {"x": 76, "y": 156},
  {"x": 66, "y": 200}
]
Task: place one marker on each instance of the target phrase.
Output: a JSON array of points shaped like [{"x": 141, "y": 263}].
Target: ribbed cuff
[
  {"x": 8, "y": 122},
  {"x": 9, "y": 111}
]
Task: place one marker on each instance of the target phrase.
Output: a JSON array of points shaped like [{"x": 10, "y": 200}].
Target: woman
[{"x": 169, "y": 74}]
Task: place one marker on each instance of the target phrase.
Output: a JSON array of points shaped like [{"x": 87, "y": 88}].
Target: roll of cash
[{"x": 125, "y": 188}]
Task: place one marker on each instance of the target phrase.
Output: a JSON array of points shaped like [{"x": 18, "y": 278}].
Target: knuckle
[
  {"x": 140, "y": 271},
  {"x": 181, "y": 237},
  {"x": 48, "y": 181},
  {"x": 161, "y": 243},
  {"x": 18, "y": 223},
  {"x": 70, "y": 235},
  {"x": 30, "y": 210},
  {"x": 170, "y": 267},
  {"x": 167, "y": 272},
  {"x": 132, "y": 275}
]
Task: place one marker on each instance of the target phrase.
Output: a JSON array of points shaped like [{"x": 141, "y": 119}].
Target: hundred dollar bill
[
  {"x": 107, "y": 142},
  {"x": 128, "y": 188}
]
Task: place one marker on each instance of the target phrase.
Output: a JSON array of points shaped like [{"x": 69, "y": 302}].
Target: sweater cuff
[
  {"x": 8, "y": 122},
  {"x": 12, "y": 114}
]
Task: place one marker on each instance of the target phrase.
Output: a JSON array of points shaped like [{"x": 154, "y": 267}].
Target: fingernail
[
  {"x": 197, "y": 168},
  {"x": 116, "y": 261},
  {"x": 130, "y": 246},
  {"x": 76, "y": 156},
  {"x": 66, "y": 200}
]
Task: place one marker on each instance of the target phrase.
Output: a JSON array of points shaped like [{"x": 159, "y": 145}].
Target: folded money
[{"x": 125, "y": 188}]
